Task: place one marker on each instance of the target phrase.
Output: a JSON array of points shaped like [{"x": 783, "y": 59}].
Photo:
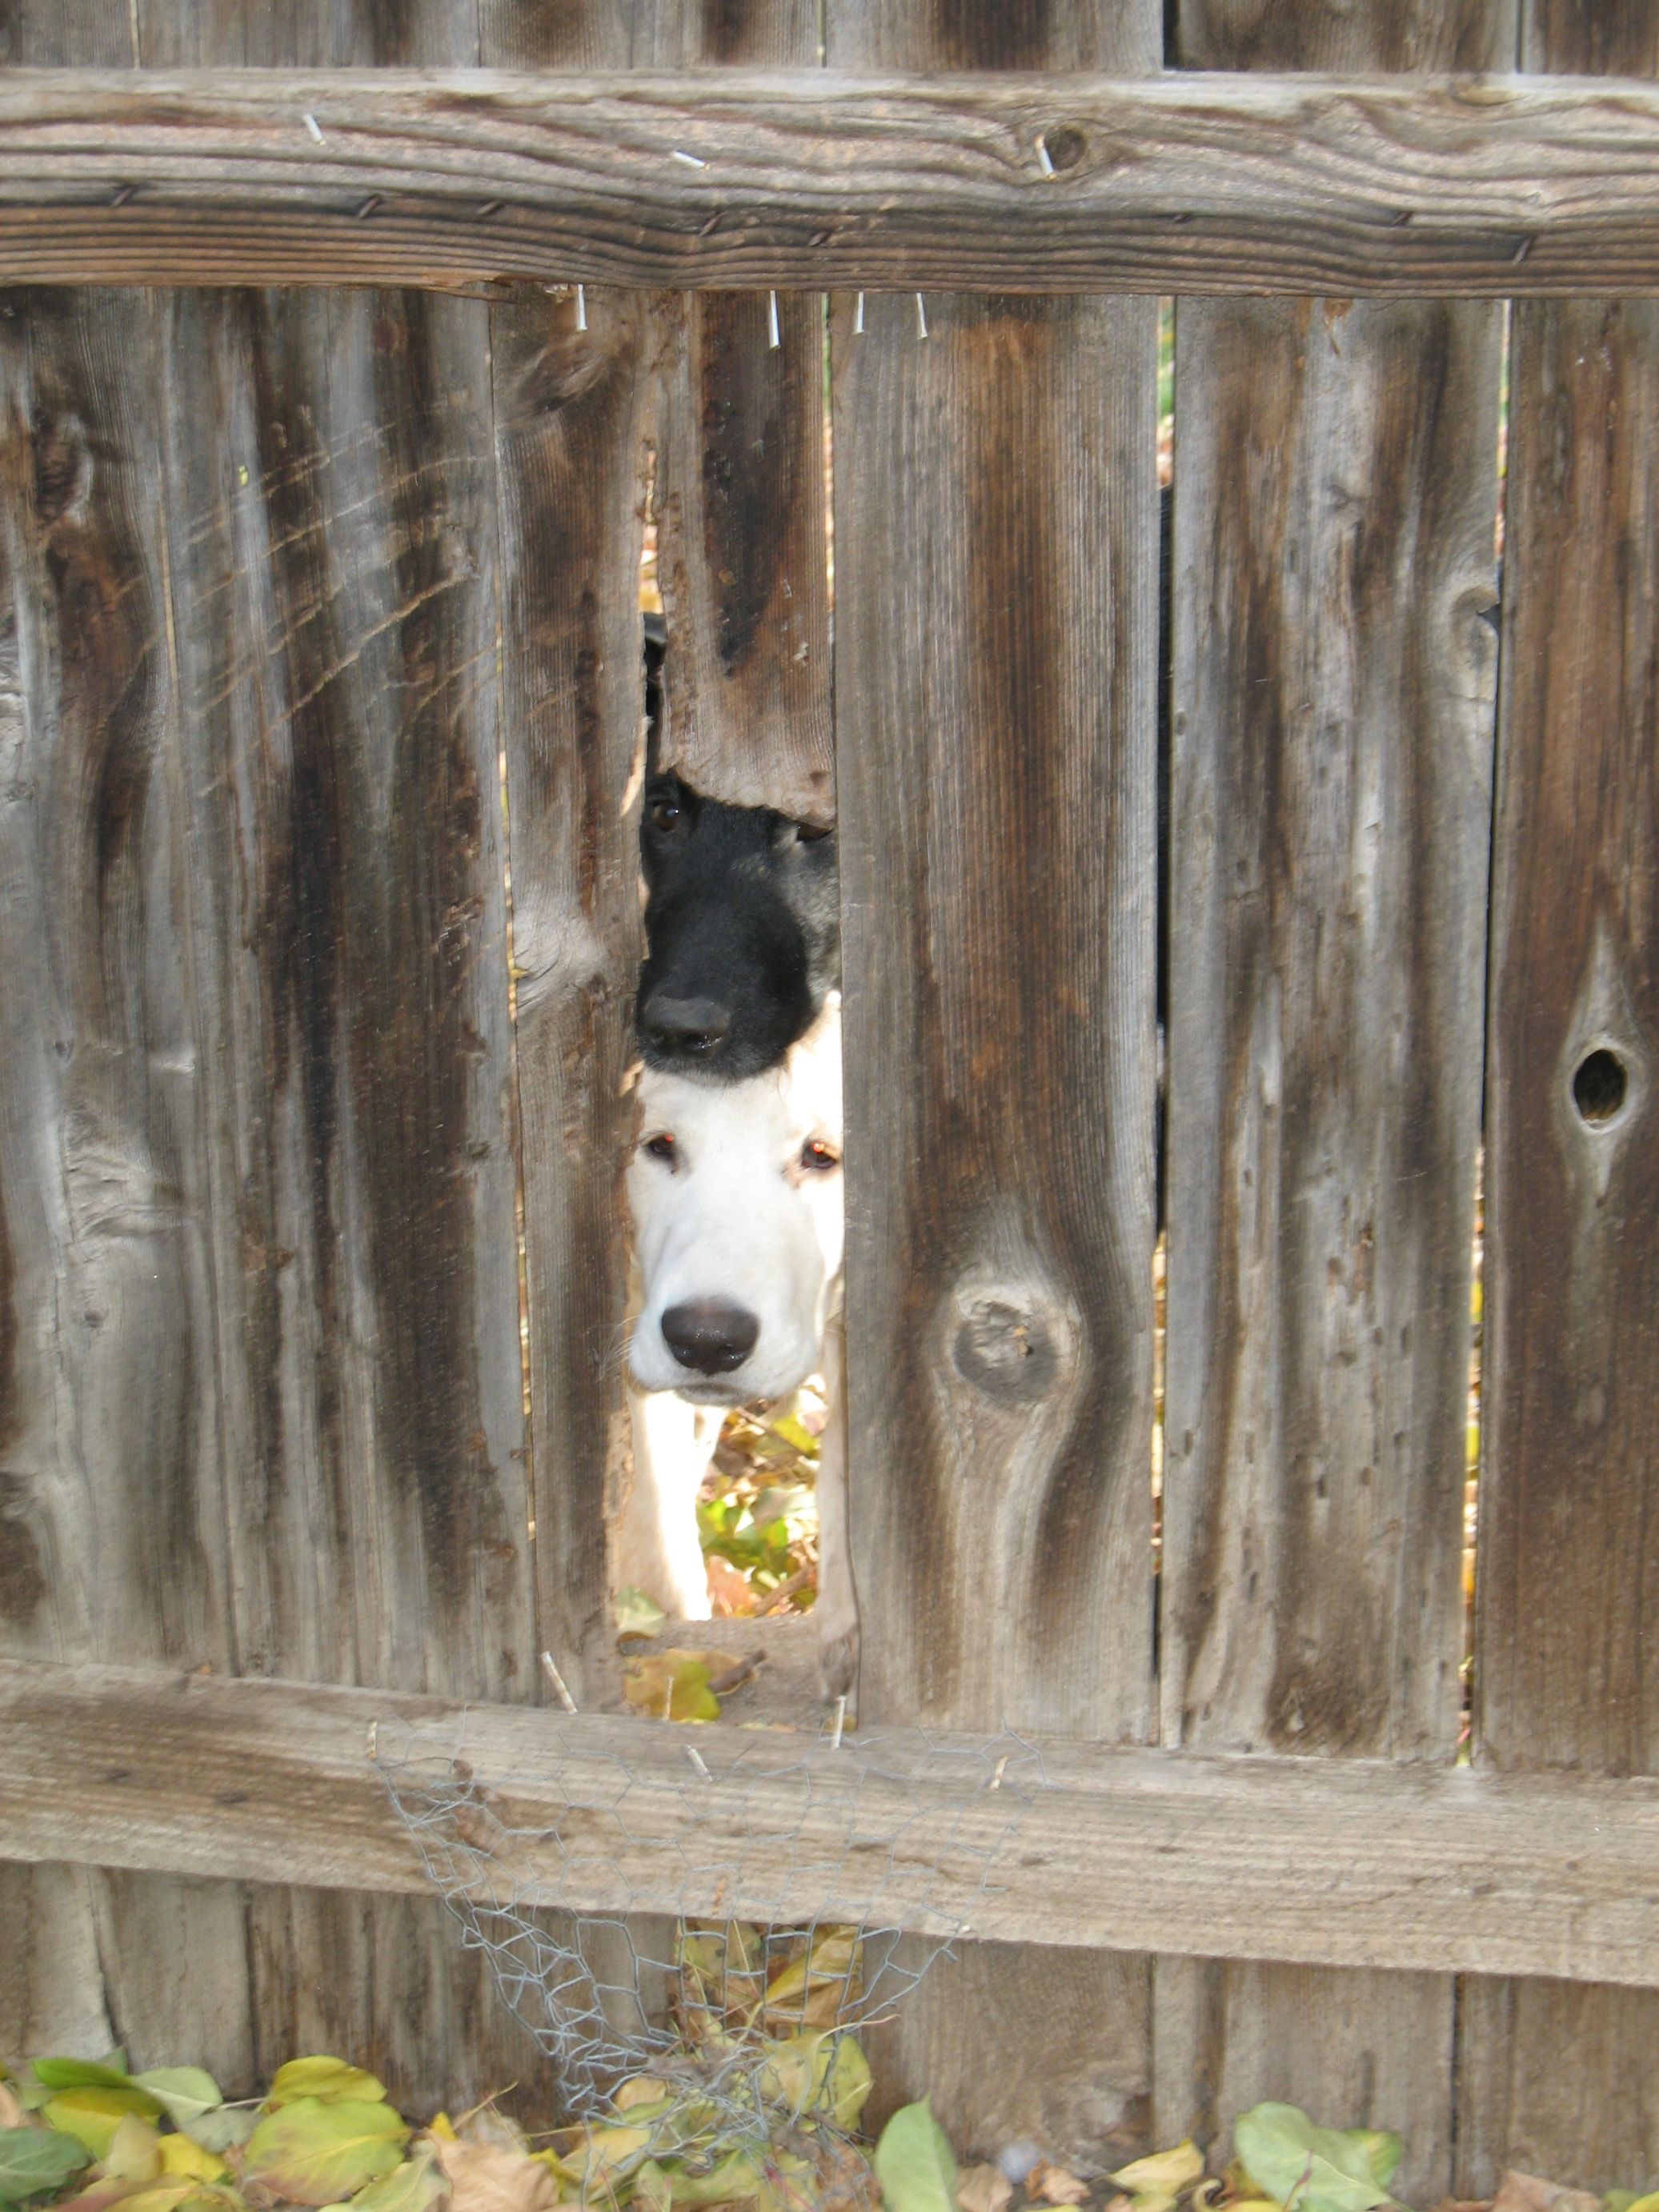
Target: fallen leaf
[
  {"x": 1053, "y": 2184},
  {"x": 818, "y": 2075},
  {"x": 330, "y": 2080},
  {"x": 741, "y": 2173},
  {"x": 984, "y": 2189},
  {"x": 637, "y": 1614},
  {"x": 92, "y": 2115},
  {"x": 1167, "y": 2172},
  {"x": 484, "y": 2177},
  {"x": 225, "y": 2127},
  {"x": 35, "y": 2159},
  {"x": 410, "y": 2187},
  {"x": 1319, "y": 2169},
  {"x": 731, "y": 1593},
  {"x": 79, "y": 2073},
  {"x": 186, "y": 2160},
  {"x": 134, "y": 2151},
  {"x": 673, "y": 1686},
  {"x": 913, "y": 2163},
  {"x": 1529, "y": 2192},
  {"x": 184, "y": 2093},
  {"x": 315, "y": 2152}
]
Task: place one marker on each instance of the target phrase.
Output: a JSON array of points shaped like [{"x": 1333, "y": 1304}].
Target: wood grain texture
[
  {"x": 1192, "y": 182},
  {"x": 112, "y": 1515},
  {"x": 996, "y": 636},
  {"x": 570, "y": 432},
  {"x": 1074, "y": 1844},
  {"x": 1565, "y": 1674},
  {"x": 1330, "y": 811},
  {"x": 739, "y": 490}
]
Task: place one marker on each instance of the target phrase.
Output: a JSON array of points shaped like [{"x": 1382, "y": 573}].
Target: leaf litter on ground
[{"x": 326, "y": 2136}]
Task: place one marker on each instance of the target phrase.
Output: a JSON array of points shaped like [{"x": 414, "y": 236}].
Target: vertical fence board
[
  {"x": 112, "y": 1515},
  {"x": 740, "y": 490},
  {"x": 996, "y": 640},
  {"x": 333, "y": 504},
  {"x": 1330, "y": 811},
  {"x": 571, "y": 433},
  {"x": 1555, "y": 2078}
]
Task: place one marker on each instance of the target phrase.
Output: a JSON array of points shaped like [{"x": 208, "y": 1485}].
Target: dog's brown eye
[
  {"x": 664, "y": 814},
  {"x": 819, "y": 1157},
  {"x": 661, "y": 1148}
]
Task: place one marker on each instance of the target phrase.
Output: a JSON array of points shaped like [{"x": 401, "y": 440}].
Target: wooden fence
[{"x": 284, "y": 1043}]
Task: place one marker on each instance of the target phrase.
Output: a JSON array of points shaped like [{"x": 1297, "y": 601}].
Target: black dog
[{"x": 742, "y": 924}]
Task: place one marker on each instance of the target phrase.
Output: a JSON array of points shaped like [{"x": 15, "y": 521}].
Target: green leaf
[
  {"x": 636, "y": 1614},
  {"x": 1316, "y": 2169},
  {"x": 184, "y": 2093},
  {"x": 410, "y": 2188},
  {"x": 92, "y": 2116},
  {"x": 913, "y": 2163},
  {"x": 316, "y": 2153},
  {"x": 35, "y": 2159},
  {"x": 738, "y": 2175},
  {"x": 221, "y": 2129},
  {"x": 77, "y": 2074},
  {"x": 329, "y": 2080}
]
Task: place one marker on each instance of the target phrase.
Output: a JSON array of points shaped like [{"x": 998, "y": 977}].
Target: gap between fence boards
[
  {"x": 1348, "y": 1862},
  {"x": 1191, "y": 182}
]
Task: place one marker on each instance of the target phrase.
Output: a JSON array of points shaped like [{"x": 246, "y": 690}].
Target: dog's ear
[{"x": 656, "y": 652}]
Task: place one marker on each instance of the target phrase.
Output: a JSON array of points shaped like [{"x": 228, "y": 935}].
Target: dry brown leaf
[
  {"x": 983, "y": 2189},
  {"x": 12, "y": 2114},
  {"x": 485, "y": 2176},
  {"x": 731, "y": 1594},
  {"x": 1053, "y": 2184},
  {"x": 1529, "y": 2192},
  {"x": 1464, "y": 2204}
]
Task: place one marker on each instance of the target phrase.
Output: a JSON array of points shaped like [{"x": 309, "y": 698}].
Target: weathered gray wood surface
[
  {"x": 1456, "y": 188},
  {"x": 111, "y": 1513},
  {"x": 995, "y": 641},
  {"x": 278, "y": 516},
  {"x": 740, "y": 490},
  {"x": 1255, "y": 1856},
  {"x": 1566, "y": 1670},
  {"x": 1335, "y": 490}
]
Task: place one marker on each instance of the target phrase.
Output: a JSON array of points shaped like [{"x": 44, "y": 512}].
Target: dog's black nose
[
  {"x": 694, "y": 1027},
  {"x": 711, "y": 1334}
]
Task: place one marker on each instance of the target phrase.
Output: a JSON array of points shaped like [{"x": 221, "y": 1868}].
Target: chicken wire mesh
[{"x": 835, "y": 1859}]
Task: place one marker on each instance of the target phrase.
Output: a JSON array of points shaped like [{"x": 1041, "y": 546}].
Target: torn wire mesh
[{"x": 821, "y": 1862}]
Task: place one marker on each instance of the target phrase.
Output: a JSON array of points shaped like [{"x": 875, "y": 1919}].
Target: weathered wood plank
[
  {"x": 570, "y": 438},
  {"x": 1186, "y": 183},
  {"x": 1343, "y": 1861},
  {"x": 739, "y": 493},
  {"x": 332, "y": 565},
  {"x": 1330, "y": 811},
  {"x": 111, "y": 1517},
  {"x": 1566, "y": 1673},
  {"x": 996, "y": 636}
]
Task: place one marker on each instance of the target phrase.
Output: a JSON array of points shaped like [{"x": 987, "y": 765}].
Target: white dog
[{"x": 735, "y": 1190}]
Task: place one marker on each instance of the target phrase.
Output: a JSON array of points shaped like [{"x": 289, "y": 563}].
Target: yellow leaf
[
  {"x": 134, "y": 2151},
  {"x": 92, "y": 2115},
  {"x": 329, "y": 2080},
  {"x": 673, "y": 1686},
  {"x": 1170, "y": 2171},
  {"x": 189, "y": 2161},
  {"x": 641, "y": 2089},
  {"x": 444, "y": 2127}
]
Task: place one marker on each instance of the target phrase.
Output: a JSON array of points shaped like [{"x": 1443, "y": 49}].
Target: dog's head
[
  {"x": 736, "y": 1194},
  {"x": 741, "y": 923}
]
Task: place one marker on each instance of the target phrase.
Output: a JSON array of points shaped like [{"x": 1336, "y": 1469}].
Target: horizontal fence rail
[
  {"x": 1191, "y": 182},
  {"x": 1325, "y": 1862}
]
